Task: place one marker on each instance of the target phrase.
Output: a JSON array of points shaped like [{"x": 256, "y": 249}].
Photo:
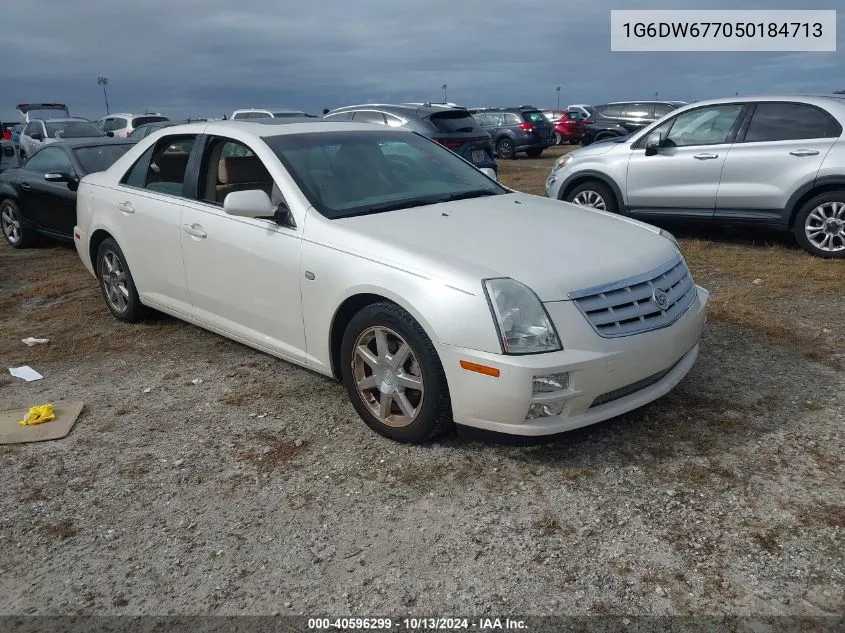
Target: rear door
[
  {"x": 781, "y": 148},
  {"x": 545, "y": 130}
]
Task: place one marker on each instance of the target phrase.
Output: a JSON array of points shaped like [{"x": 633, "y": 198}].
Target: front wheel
[
  {"x": 593, "y": 194},
  {"x": 116, "y": 283},
  {"x": 14, "y": 228},
  {"x": 820, "y": 225},
  {"x": 558, "y": 138},
  {"x": 505, "y": 148},
  {"x": 393, "y": 375}
]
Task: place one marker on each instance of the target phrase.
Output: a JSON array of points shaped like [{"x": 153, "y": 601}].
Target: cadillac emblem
[{"x": 660, "y": 298}]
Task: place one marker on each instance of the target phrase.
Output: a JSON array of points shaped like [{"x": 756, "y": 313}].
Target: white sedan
[{"x": 381, "y": 258}]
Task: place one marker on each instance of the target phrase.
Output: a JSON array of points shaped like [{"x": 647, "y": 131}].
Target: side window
[
  {"x": 119, "y": 123},
  {"x": 369, "y": 116},
  {"x": 636, "y": 111},
  {"x": 483, "y": 119},
  {"x": 393, "y": 121},
  {"x": 162, "y": 168},
  {"x": 107, "y": 125},
  {"x": 229, "y": 166},
  {"x": 53, "y": 159},
  {"x": 662, "y": 109},
  {"x": 610, "y": 110},
  {"x": 34, "y": 164},
  {"x": 703, "y": 126},
  {"x": 512, "y": 119},
  {"x": 337, "y": 116},
  {"x": 789, "y": 122}
]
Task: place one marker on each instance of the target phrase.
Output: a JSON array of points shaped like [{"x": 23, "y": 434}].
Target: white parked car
[
  {"x": 261, "y": 113},
  {"x": 122, "y": 124},
  {"x": 377, "y": 256}
]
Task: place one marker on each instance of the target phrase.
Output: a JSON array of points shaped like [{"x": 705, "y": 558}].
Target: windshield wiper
[{"x": 466, "y": 195}]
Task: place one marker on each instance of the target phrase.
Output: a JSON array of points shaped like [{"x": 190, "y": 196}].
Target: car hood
[
  {"x": 553, "y": 247},
  {"x": 594, "y": 149}
]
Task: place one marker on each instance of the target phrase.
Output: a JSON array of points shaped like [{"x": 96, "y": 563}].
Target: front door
[
  {"x": 682, "y": 178},
  {"x": 52, "y": 204},
  {"x": 242, "y": 273}
]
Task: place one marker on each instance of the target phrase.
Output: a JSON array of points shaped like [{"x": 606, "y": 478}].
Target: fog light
[
  {"x": 545, "y": 409},
  {"x": 551, "y": 382}
]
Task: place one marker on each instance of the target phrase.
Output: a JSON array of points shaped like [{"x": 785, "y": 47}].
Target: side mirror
[
  {"x": 38, "y": 136},
  {"x": 58, "y": 176},
  {"x": 252, "y": 203},
  {"x": 653, "y": 143}
]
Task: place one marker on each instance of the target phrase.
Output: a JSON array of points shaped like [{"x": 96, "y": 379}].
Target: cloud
[{"x": 210, "y": 56}]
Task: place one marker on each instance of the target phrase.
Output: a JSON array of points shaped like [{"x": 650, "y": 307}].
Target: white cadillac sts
[{"x": 381, "y": 258}]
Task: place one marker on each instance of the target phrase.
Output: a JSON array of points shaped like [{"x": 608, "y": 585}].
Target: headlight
[
  {"x": 562, "y": 162},
  {"x": 522, "y": 321},
  {"x": 670, "y": 237}
]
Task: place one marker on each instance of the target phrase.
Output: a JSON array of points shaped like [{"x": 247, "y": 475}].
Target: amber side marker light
[{"x": 481, "y": 369}]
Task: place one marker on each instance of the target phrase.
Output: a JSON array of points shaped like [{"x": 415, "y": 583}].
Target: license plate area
[{"x": 479, "y": 156}]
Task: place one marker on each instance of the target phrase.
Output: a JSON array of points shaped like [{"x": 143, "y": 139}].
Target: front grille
[{"x": 630, "y": 307}]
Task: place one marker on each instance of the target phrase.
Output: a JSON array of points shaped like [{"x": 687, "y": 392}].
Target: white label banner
[{"x": 721, "y": 30}]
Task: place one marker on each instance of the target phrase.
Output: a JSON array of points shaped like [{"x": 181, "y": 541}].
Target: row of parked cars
[{"x": 433, "y": 292}]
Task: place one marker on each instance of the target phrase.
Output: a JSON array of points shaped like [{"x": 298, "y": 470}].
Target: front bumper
[{"x": 607, "y": 377}]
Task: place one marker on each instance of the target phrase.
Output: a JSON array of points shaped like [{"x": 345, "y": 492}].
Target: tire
[
  {"x": 593, "y": 194},
  {"x": 429, "y": 407},
  {"x": 14, "y": 228},
  {"x": 534, "y": 153},
  {"x": 116, "y": 281},
  {"x": 820, "y": 225},
  {"x": 558, "y": 139},
  {"x": 505, "y": 148}
]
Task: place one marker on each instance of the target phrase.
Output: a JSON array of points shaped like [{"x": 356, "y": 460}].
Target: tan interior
[
  {"x": 240, "y": 173},
  {"x": 170, "y": 167}
]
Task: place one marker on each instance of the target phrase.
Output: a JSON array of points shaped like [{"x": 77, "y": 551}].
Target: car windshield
[
  {"x": 143, "y": 120},
  {"x": 351, "y": 173},
  {"x": 285, "y": 115},
  {"x": 450, "y": 121},
  {"x": 73, "y": 129},
  {"x": 100, "y": 157}
]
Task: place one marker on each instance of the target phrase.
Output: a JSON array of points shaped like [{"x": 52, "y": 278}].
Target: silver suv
[{"x": 772, "y": 161}]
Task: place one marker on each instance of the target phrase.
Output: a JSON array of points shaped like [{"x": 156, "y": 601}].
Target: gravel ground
[{"x": 259, "y": 491}]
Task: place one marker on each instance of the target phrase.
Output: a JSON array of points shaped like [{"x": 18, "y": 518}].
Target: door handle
[
  {"x": 804, "y": 152},
  {"x": 25, "y": 186},
  {"x": 126, "y": 207},
  {"x": 195, "y": 230},
  {"x": 706, "y": 156}
]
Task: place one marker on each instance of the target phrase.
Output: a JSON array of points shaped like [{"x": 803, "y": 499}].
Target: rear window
[
  {"x": 252, "y": 115},
  {"x": 453, "y": 121},
  {"x": 287, "y": 115},
  {"x": 534, "y": 116},
  {"x": 143, "y": 120},
  {"x": 73, "y": 129},
  {"x": 609, "y": 110},
  {"x": 100, "y": 157}
]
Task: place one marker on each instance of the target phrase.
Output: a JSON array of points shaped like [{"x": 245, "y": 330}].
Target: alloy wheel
[
  {"x": 589, "y": 198},
  {"x": 11, "y": 225},
  {"x": 388, "y": 376},
  {"x": 825, "y": 227},
  {"x": 113, "y": 278}
]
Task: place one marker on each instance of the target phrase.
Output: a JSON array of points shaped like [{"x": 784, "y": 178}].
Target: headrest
[{"x": 241, "y": 169}]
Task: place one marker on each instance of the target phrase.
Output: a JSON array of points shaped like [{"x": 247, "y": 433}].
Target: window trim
[
  {"x": 746, "y": 124},
  {"x": 188, "y": 167}
]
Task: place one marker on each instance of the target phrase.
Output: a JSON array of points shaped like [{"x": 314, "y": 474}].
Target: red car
[{"x": 569, "y": 126}]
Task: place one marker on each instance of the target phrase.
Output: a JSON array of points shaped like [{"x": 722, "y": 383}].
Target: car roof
[
  {"x": 265, "y": 127},
  {"x": 62, "y": 120},
  {"x": 132, "y": 114},
  {"x": 817, "y": 99},
  {"x": 401, "y": 108}
]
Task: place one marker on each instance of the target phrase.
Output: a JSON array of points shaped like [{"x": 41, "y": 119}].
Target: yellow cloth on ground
[{"x": 38, "y": 414}]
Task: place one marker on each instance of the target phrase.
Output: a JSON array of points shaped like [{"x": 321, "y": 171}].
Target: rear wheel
[
  {"x": 505, "y": 148},
  {"x": 116, "y": 283},
  {"x": 393, "y": 375},
  {"x": 593, "y": 194},
  {"x": 14, "y": 229},
  {"x": 820, "y": 225},
  {"x": 558, "y": 138}
]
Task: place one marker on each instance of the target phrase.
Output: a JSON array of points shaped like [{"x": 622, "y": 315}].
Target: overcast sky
[{"x": 206, "y": 57}]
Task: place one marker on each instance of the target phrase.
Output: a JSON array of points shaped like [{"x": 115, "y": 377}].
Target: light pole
[
  {"x": 443, "y": 88},
  {"x": 104, "y": 81},
  {"x": 557, "y": 90}
]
